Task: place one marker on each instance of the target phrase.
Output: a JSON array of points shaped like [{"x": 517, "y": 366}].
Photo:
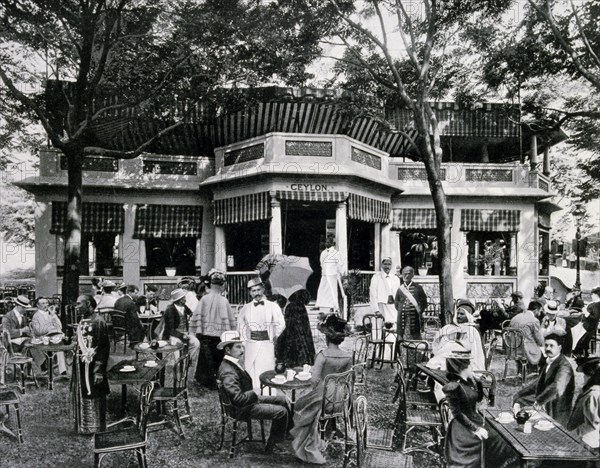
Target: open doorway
[{"x": 304, "y": 232}]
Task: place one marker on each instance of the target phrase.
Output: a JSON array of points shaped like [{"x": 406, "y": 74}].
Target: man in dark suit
[
  {"x": 237, "y": 385},
  {"x": 532, "y": 336},
  {"x": 411, "y": 302},
  {"x": 555, "y": 388},
  {"x": 127, "y": 305},
  {"x": 589, "y": 320}
]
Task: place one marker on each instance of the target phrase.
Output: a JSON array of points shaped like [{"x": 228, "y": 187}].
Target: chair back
[
  {"x": 445, "y": 413},
  {"x": 71, "y": 312},
  {"x": 180, "y": 373},
  {"x": 359, "y": 355},
  {"x": 6, "y": 343},
  {"x": 360, "y": 421},
  {"x": 227, "y": 407},
  {"x": 399, "y": 377},
  {"x": 513, "y": 342},
  {"x": 119, "y": 321},
  {"x": 505, "y": 324},
  {"x": 490, "y": 349},
  {"x": 488, "y": 379},
  {"x": 3, "y": 363},
  {"x": 106, "y": 313},
  {"x": 145, "y": 398},
  {"x": 337, "y": 395},
  {"x": 360, "y": 373},
  {"x": 415, "y": 352},
  {"x": 374, "y": 326}
]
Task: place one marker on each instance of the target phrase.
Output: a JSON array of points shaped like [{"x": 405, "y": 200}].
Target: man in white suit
[
  {"x": 331, "y": 268},
  {"x": 383, "y": 291},
  {"x": 260, "y": 322}
]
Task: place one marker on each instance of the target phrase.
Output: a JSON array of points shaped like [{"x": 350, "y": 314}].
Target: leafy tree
[
  {"x": 425, "y": 70},
  {"x": 17, "y": 219},
  {"x": 141, "y": 57}
]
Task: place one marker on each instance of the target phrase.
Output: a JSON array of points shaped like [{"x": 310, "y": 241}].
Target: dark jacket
[
  {"x": 134, "y": 326},
  {"x": 590, "y": 323},
  {"x": 402, "y": 302},
  {"x": 172, "y": 321},
  {"x": 10, "y": 323},
  {"x": 554, "y": 389},
  {"x": 237, "y": 384}
]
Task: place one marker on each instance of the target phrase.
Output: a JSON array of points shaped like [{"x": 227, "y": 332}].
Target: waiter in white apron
[
  {"x": 260, "y": 322},
  {"x": 382, "y": 293}
]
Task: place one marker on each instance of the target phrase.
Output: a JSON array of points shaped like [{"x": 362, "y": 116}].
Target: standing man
[
  {"x": 91, "y": 385},
  {"x": 108, "y": 297},
  {"x": 411, "y": 302},
  {"x": 127, "y": 305},
  {"x": 237, "y": 384},
  {"x": 555, "y": 388},
  {"x": 382, "y": 292},
  {"x": 260, "y": 322},
  {"x": 212, "y": 317},
  {"x": 589, "y": 320},
  {"x": 176, "y": 324},
  {"x": 331, "y": 268}
]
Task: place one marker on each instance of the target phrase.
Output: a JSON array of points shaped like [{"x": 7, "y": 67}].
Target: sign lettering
[{"x": 309, "y": 187}]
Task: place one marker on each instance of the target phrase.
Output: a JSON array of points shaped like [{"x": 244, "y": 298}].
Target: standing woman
[{"x": 295, "y": 345}]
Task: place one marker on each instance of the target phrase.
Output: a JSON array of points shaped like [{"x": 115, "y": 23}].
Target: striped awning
[
  {"x": 311, "y": 196},
  {"x": 490, "y": 220},
  {"x": 95, "y": 218},
  {"x": 367, "y": 209},
  {"x": 244, "y": 209},
  {"x": 167, "y": 221},
  {"x": 405, "y": 219}
]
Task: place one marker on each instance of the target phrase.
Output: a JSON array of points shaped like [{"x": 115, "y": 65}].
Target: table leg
[
  {"x": 293, "y": 400},
  {"x": 124, "y": 399},
  {"x": 49, "y": 355}
]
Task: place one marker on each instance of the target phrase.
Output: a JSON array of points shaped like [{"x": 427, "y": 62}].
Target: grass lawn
[{"x": 50, "y": 439}]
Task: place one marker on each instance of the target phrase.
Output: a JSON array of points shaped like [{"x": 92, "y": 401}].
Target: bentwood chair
[
  {"x": 230, "y": 414},
  {"x": 119, "y": 329},
  {"x": 10, "y": 398},
  {"x": 413, "y": 352},
  {"x": 174, "y": 396},
  {"x": 18, "y": 361},
  {"x": 513, "y": 342},
  {"x": 488, "y": 380},
  {"x": 413, "y": 397},
  {"x": 374, "y": 325},
  {"x": 359, "y": 361},
  {"x": 129, "y": 437},
  {"x": 366, "y": 456}
]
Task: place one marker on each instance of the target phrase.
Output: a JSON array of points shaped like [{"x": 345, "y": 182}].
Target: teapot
[
  {"x": 522, "y": 416},
  {"x": 280, "y": 368}
]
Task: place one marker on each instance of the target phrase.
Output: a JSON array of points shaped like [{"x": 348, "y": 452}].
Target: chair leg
[
  {"x": 187, "y": 407},
  {"x": 381, "y": 355},
  {"x": 223, "y": 422},
  {"x": 249, "y": 427},
  {"x": 19, "y": 430},
  {"x": 262, "y": 432},
  {"x": 233, "y": 439},
  {"x": 144, "y": 461},
  {"x": 177, "y": 420},
  {"x": 96, "y": 460},
  {"x": 505, "y": 370},
  {"x": 34, "y": 378},
  {"x": 373, "y": 357}
]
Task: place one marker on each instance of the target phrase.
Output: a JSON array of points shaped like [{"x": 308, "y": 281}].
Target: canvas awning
[
  {"x": 368, "y": 209},
  {"x": 95, "y": 218},
  {"x": 243, "y": 209},
  {"x": 167, "y": 221},
  {"x": 490, "y": 220},
  {"x": 410, "y": 219},
  {"x": 311, "y": 196}
]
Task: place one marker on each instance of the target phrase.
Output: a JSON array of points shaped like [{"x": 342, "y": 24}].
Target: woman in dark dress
[
  {"x": 465, "y": 432},
  {"x": 295, "y": 346}
]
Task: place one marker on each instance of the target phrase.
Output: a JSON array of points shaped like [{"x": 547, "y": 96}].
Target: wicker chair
[
  {"x": 172, "y": 396},
  {"x": 18, "y": 361},
  {"x": 488, "y": 380},
  {"x": 413, "y": 352},
  {"x": 513, "y": 340},
  {"x": 10, "y": 398},
  {"x": 366, "y": 457},
  {"x": 229, "y": 413},
  {"x": 413, "y": 397},
  {"x": 359, "y": 360},
  {"x": 130, "y": 437},
  {"x": 376, "y": 337}
]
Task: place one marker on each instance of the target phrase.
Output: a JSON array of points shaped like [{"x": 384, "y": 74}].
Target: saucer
[
  {"x": 144, "y": 345},
  {"x": 127, "y": 369},
  {"x": 162, "y": 343},
  {"x": 544, "y": 425},
  {"x": 303, "y": 376},
  {"x": 505, "y": 419},
  {"x": 278, "y": 380},
  {"x": 151, "y": 364}
]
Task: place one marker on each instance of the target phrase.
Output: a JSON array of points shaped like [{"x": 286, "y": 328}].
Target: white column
[
  {"x": 546, "y": 161},
  {"x": 379, "y": 244},
  {"x": 275, "y": 238},
  {"x": 394, "y": 248},
  {"x": 129, "y": 248},
  {"x": 198, "y": 260},
  {"x": 207, "y": 240},
  {"x": 220, "y": 249},
  {"x": 341, "y": 233},
  {"x": 533, "y": 152},
  {"x": 47, "y": 254},
  {"x": 512, "y": 259},
  {"x": 459, "y": 256}
]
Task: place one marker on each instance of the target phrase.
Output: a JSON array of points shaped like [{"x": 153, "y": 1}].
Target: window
[
  {"x": 489, "y": 253},
  {"x": 544, "y": 249},
  {"x": 178, "y": 253},
  {"x": 418, "y": 249}
]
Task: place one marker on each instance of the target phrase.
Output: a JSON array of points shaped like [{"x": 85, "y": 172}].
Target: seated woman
[
  {"x": 585, "y": 418},
  {"x": 295, "y": 345},
  {"x": 307, "y": 443},
  {"x": 45, "y": 323},
  {"x": 462, "y": 330}
]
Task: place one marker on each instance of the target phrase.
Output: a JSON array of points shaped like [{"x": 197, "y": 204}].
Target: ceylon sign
[{"x": 309, "y": 187}]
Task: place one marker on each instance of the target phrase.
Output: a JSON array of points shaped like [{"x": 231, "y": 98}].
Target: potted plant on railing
[
  {"x": 420, "y": 248},
  {"x": 492, "y": 256}
]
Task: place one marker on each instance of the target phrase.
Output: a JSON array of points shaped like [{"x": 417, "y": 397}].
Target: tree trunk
[
  {"x": 431, "y": 152},
  {"x": 70, "y": 284}
]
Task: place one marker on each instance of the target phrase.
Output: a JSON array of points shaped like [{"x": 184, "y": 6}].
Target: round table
[
  {"x": 148, "y": 321},
  {"x": 291, "y": 385},
  {"x": 158, "y": 353},
  {"x": 49, "y": 350}
]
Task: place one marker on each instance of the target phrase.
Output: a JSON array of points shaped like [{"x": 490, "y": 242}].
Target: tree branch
[
  {"x": 588, "y": 46},
  {"x": 400, "y": 11}
]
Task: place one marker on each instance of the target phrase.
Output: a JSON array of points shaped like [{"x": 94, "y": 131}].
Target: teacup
[
  {"x": 289, "y": 374},
  {"x": 306, "y": 368},
  {"x": 173, "y": 340},
  {"x": 142, "y": 309},
  {"x": 45, "y": 340}
]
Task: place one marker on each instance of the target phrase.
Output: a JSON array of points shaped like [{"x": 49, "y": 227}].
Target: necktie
[{"x": 257, "y": 303}]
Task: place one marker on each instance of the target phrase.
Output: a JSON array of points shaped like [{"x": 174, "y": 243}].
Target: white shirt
[
  {"x": 549, "y": 362},
  {"x": 19, "y": 318},
  {"x": 235, "y": 361}
]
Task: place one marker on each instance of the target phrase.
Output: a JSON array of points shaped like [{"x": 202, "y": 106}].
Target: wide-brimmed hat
[
  {"x": 22, "y": 301},
  {"x": 177, "y": 294},
  {"x": 227, "y": 339},
  {"x": 551, "y": 307},
  {"x": 108, "y": 284},
  {"x": 254, "y": 282},
  {"x": 585, "y": 363},
  {"x": 518, "y": 294},
  {"x": 333, "y": 326},
  {"x": 122, "y": 286},
  {"x": 458, "y": 351}
]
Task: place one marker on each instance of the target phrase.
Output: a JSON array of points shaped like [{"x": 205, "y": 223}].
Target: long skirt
[
  {"x": 209, "y": 360},
  {"x": 307, "y": 443}
]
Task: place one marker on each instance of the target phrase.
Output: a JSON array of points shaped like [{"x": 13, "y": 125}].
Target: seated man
[
  {"x": 237, "y": 384},
  {"x": 532, "y": 336},
  {"x": 552, "y": 323},
  {"x": 128, "y": 306},
  {"x": 555, "y": 388},
  {"x": 45, "y": 323}
]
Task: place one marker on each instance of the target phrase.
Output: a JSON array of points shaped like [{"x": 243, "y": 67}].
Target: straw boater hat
[
  {"x": 22, "y": 301},
  {"x": 122, "y": 286},
  {"x": 551, "y": 307},
  {"x": 177, "y": 294},
  {"x": 227, "y": 339},
  {"x": 254, "y": 282},
  {"x": 214, "y": 273}
]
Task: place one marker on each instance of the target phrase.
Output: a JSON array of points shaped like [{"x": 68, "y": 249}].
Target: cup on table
[
  {"x": 289, "y": 374},
  {"x": 142, "y": 309},
  {"x": 173, "y": 341},
  {"x": 306, "y": 368},
  {"x": 45, "y": 340}
]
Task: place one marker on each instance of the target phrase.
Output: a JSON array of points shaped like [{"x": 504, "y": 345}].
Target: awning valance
[
  {"x": 167, "y": 221},
  {"x": 244, "y": 209},
  {"x": 311, "y": 196},
  {"x": 96, "y": 218},
  {"x": 408, "y": 219},
  {"x": 367, "y": 209},
  {"x": 490, "y": 220}
]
